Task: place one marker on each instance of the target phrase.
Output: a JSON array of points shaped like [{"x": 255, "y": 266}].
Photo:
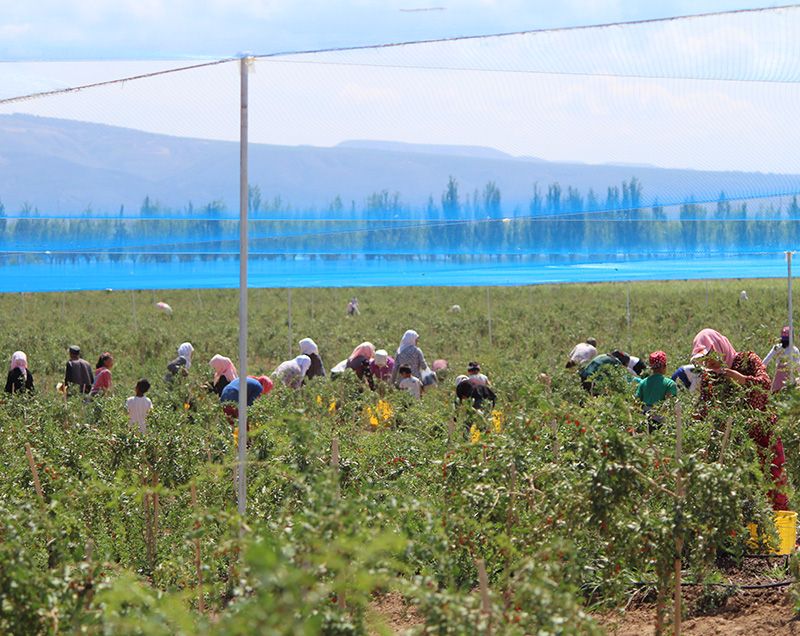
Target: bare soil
[{"x": 747, "y": 612}]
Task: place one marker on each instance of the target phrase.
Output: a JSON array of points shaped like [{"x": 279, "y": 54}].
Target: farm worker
[
  {"x": 182, "y": 363},
  {"x": 410, "y": 355},
  {"x": 479, "y": 393},
  {"x": 687, "y": 377},
  {"x": 358, "y": 361},
  {"x": 293, "y": 372},
  {"x": 79, "y": 371},
  {"x": 139, "y": 405},
  {"x": 309, "y": 348},
  {"x": 599, "y": 367},
  {"x": 476, "y": 378},
  {"x": 788, "y": 361},
  {"x": 657, "y": 387},
  {"x": 381, "y": 365},
  {"x": 164, "y": 307},
  {"x": 352, "y": 307},
  {"x": 19, "y": 378},
  {"x": 256, "y": 386},
  {"x": 102, "y": 376},
  {"x": 724, "y": 369},
  {"x": 583, "y": 353},
  {"x": 224, "y": 373},
  {"x": 409, "y": 383}
]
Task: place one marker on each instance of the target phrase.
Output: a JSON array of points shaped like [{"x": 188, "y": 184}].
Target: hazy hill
[{"x": 66, "y": 166}]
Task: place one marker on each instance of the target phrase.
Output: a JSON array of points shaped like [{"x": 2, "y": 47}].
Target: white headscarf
[
  {"x": 408, "y": 340},
  {"x": 185, "y": 351},
  {"x": 308, "y": 346},
  {"x": 304, "y": 362},
  {"x": 19, "y": 361}
]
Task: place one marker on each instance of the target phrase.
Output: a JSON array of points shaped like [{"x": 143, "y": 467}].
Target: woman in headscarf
[
  {"x": 256, "y": 386},
  {"x": 182, "y": 363},
  {"x": 358, "y": 361},
  {"x": 19, "y": 378},
  {"x": 224, "y": 373},
  {"x": 102, "y": 376},
  {"x": 724, "y": 368},
  {"x": 293, "y": 372},
  {"x": 409, "y": 354},
  {"x": 309, "y": 348}
]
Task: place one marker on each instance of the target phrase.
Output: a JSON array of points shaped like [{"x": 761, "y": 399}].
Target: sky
[
  {"x": 687, "y": 94},
  {"x": 158, "y": 29}
]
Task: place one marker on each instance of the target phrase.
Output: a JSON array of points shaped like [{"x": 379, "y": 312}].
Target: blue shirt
[{"x": 231, "y": 392}]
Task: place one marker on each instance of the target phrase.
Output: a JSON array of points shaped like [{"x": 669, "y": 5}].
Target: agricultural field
[{"x": 554, "y": 513}]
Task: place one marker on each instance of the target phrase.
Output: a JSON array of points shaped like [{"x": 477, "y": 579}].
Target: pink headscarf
[
  {"x": 266, "y": 384},
  {"x": 710, "y": 340},
  {"x": 223, "y": 366},
  {"x": 19, "y": 361},
  {"x": 366, "y": 349}
]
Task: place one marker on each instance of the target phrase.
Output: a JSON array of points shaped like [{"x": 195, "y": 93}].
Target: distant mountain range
[{"x": 66, "y": 166}]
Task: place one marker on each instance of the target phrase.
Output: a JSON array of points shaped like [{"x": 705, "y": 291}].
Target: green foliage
[{"x": 566, "y": 498}]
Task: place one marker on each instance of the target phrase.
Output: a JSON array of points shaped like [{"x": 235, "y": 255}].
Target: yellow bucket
[{"x": 786, "y": 528}]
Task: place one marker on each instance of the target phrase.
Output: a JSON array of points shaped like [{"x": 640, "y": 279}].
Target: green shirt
[{"x": 655, "y": 388}]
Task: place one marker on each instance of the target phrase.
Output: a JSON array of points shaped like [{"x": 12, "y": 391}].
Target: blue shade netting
[{"x": 657, "y": 150}]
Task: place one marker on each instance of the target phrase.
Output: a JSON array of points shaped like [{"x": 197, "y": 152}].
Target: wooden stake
[
  {"x": 201, "y": 603},
  {"x": 335, "y": 464},
  {"x": 725, "y": 439},
  {"x": 678, "y": 539},
  {"x": 486, "y": 606},
  {"x": 555, "y": 440},
  {"x": 36, "y": 483}
]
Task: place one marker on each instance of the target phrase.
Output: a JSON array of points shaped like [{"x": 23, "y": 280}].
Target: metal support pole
[
  {"x": 629, "y": 304},
  {"x": 791, "y": 313},
  {"x": 290, "y": 322},
  {"x": 489, "y": 311},
  {"x": 133, "y": 302},
  {"x": 244, "y": 68}
]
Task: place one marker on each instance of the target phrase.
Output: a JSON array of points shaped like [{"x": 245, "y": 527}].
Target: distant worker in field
[
  {"x": 181, "y": 364},
  {"x": 788, "y": 360},
  {"x": 352, "y": 307},
  {"x": 256, "y": 386},
  {"x": 657, "y": 387},
  {"x": 139, "y": 405},
  {"x": 293, "y": 372},
  {"x": 102, "y": 376},
  {"x": 583, "y": 353},
  {"x": 309, "y": 348},
  {"x": 224, "y": 373},
  {"x": 599, "y": 367},
  {"x": 687, "y": 377},
  {"x": 358, "y": 361},
  {"x": 381, "y": 365},
  {"x": 78, "y": 373},
  {"x": 474, "y": 375},
  {"x": 19, "y": 378},
  {"x": 410, "y": 355}
]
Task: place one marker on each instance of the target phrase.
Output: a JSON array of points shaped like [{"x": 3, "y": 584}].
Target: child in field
[
  {"x": 657, "y": 387},
  {"x": 139, "y": 405},
  {"x": 409, "y": 382}
]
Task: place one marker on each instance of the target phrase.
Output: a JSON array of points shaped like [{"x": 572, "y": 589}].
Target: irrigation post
[
  {"x": 133, "y": 302},
  {"x": 791, "y": 313},
  {"x": 629, "y": 305},
  {"x": 489, "y": 310},
  {"x": 289, "y": 289},
  {"x": 245, "y": 65}
]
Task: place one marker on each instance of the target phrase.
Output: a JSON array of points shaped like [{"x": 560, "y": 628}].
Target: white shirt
[
  {"x": 137, "y": 408},
  {"x": 783, "y": 357},
  {"x": 583, "y": 353},
  {"x": 412, "y": 385}
]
